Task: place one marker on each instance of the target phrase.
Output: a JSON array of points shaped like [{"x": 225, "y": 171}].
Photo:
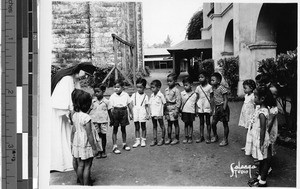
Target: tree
[
  {"x": 282, "y": 71},
  {"x": 194, "y": 26},
  {"x": 167, "y": 43}
]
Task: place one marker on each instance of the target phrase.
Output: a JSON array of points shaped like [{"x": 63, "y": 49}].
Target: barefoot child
[
  {"x": 120, "y": 102},
  {"x": 83, "y": 144},
  {"x": 141, "y": 112},
  {"x": 205, "y": 95},
  {"x": 100, "y": 114},
  {"x": 249, "y": 105},
  {"x": 188, "y": 109},
  {"x": 221, "y": 109},
  {"x": 156, "y": 103},
  {"x": 258, "y": 142},
  {"x": 173, "y": 103}
]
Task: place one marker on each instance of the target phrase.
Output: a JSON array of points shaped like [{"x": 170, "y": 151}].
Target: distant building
[
  {"x": 252, "y": 31},
  {"x": 158, "y": 58}
]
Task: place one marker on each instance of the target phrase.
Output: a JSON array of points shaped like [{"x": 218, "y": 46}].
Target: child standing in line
[
  {"x": 205, "y": 95},
  {"x": 120, "y": 102},
  {"x": 221, "y": 109},
  {"x": 156, "y": 103},
  {"x": 83, "y": 145},
  {"x": 101, "y": 114},
  {"x": 173, "y": 104},
  {"x": 188, "y": 109},
  {"x": 140, "y": 112},
  {"x": 258, "y": 142},
  {"x": 249, "y": 105}
]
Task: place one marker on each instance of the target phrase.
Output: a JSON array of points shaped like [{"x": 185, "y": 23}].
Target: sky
[{"x": 167, "y": 17}]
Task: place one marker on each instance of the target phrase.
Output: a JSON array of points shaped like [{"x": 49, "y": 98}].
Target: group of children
[
  {"x": 94, "y": 114},
  {"x": 259, "y": 117}
]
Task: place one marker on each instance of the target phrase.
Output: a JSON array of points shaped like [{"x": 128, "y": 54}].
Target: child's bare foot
[
  {"x": 223, "y": 143},
  {"x": 153, "y": 143},
  {"x": 190, "y": 141},
  {"x": 185, "y": 141},
  {"x": 214, "y": 139},
  {"x": 175, "y": 141}
]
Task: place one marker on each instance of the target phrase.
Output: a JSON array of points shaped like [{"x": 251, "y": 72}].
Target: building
[
  {"x": 82, "y": 32},
  {"x": 158, "y": 58},
  {"x": 251, "y": 31}
]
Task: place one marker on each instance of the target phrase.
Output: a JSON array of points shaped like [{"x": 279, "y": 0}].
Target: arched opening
[
  {"x": 228, "y": 45},
  {"x": 277, "y": 22}
]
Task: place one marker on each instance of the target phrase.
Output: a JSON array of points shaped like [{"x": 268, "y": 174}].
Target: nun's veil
[{"x": 87, "y": 67}]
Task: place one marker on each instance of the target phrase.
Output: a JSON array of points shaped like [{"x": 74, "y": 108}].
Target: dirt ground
[{"x": 197, "y": 164}]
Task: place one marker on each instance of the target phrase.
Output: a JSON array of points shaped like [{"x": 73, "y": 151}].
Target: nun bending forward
[{"x": 62, "y": 85}]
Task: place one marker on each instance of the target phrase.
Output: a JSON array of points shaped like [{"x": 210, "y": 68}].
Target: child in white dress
[
  {"x": 258, "y": 141},
  {"x": 204, "y": 110},
  {"x": 248, "y": 106},
  {"x": 83, "y": 146}
]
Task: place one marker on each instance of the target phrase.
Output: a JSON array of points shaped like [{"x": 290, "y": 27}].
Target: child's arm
[
  {"x": 72, "y": 135},
  {"x": 130, "y": 110},
  {"x": 88, "y": 129},
  {"x": 225, "y": 98},
  {"x": 148, "y": 114},
  {"x": 263, "y": 126},
  {"x": 178, "y": 100}
]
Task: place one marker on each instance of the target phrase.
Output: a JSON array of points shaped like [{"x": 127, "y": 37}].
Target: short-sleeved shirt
[
  {"x": 218, "y": 94},
  {"x": 119, "y": 101},
  {"x": 157, "y": 104},
  {"x": 188, "y": 101},
  {"x": 173, "y": 96},
  {"x": 99, "y": 112},
  {"x": 138, "y": 99}
]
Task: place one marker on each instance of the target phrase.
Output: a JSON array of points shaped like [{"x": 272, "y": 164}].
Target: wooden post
[
  {"x": 174, "y": 69},
  {"x": 116, "y": 59}
]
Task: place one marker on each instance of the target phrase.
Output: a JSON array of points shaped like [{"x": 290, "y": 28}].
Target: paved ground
[{"x": 196, "y": 164}]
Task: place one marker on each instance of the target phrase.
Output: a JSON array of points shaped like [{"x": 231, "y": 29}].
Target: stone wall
[{"x": 82, "y": 32}]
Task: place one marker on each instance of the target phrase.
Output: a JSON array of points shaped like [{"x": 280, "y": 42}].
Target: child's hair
[
  {"x": 262, "y": 78},
  {"x": 101, "y": 86},
  {"x": 81, "y": 100},
  {"x": 187, "y": 80},
  {"x": 141, "y": 81},
  {"x": 173, "y": 75},
  {"x": 217, "y": 75},
  {"x": 120, "y": 82},
  {"x": 250, "y": 83},
  {"x": 156, "y": 83},
  {"x": 74, "y": 96},
  {"x": 266, "y": 93},
  {"x": 205, "y": 73}
]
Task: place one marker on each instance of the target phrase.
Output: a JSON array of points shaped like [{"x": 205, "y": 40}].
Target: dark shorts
[
  {"x": 120, "y": 117},
  {"x": 187, "y": 117},
  {"x": 221, "y": 114}
]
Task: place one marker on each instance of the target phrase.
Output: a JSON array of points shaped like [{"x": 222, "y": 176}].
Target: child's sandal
[
  {"x": 116, "y": 151},
  {"x": 125, "y": 147},
  {"x": 252, "y": 181}
]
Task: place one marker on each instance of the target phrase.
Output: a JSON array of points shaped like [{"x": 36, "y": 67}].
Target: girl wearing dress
[
  {"x": 83, "y": 146},
  {"x": 248, "y": 106},
  {"x": 258, "y": 140},
  {"x": 204, "y": 92},
  {"x": 62, "y": 85}
]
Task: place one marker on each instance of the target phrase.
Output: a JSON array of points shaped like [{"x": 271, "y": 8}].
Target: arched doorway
[
  {"x": 277, "y": 22},
  {"x": 228, "y": 43}
]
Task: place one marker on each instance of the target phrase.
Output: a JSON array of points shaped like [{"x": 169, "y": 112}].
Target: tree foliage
[
  {"x": 282, "y": 72},
  {"x": 167, "y": 43},
  {"x": 194, "y": 26},
  {"x": 230, "y": 71}
]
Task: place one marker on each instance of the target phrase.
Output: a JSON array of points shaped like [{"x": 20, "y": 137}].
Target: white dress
[
  {"x": 203, "y": 105},
  {"x": 61, "y": 157},
  {"x": 247, "y": 111}
]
